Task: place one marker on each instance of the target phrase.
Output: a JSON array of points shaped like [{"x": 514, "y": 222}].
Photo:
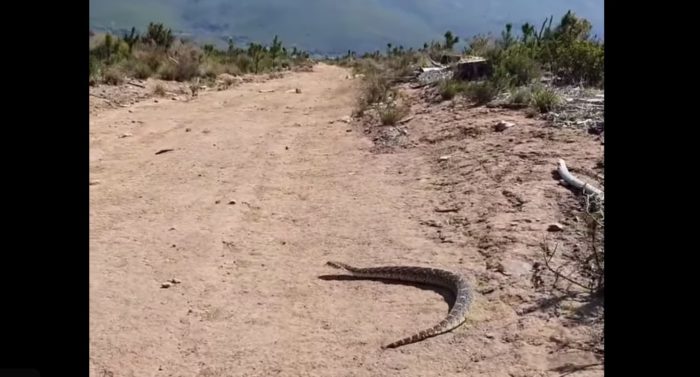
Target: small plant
[
  {"x": 450, "y": 40},
  {"x": 159, "y": 35},
  {"x": 360, "y": 107},
  {"x": 521, "y": 97},
  {"x": 545, "y": 100},
  {"x": 159, "y": 90},
  {"x": 194, "y": 87},
  {"x": 482, "y": 92},
  {"x": 377, "y": 89},
  {"x": 229, "y": 81},
  {"x": 137, "y": 69},
  {"x": 112, "y": 76},
  {"x": 449, "y": 89},
  {"x": 392, "y": 114},
  {"x": 185, "y": 68}
]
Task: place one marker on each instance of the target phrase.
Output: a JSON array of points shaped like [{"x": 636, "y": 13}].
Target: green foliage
[
  {"x": 112, "y": 76},
  {"x": 183, "y": 68},
  {"x": 544, "y": 100},
  {"x": 392, "y": 114},
  {"x": 566, "y": 50},
  {"x": 482, "y": 92},
  {"x": 111, "y": 50},
  {"x": 131, "y": 39},
  {"x": 159, "y": 35},
  {"x": 155, "y": 51},
  {"x": 137, "y": 68},
  {"x": 450, "y": 40},
  {"x": 521, "y": 96},
  {"x": 448, "y": 89}
]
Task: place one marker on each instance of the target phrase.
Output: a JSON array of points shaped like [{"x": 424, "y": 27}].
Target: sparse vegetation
[
  {"x": 159, "y": 53},
  {"x": 159, "y": 90},
  {"x": 482, "y": 92},
  {"x": 585, "y": 267},
  {"x": 113, "y": 76},
  {"x": 450, "y": 88},
  {"x": 516, "y": 61},
  {"x": 392, "y": 113},
  {"x": 521, "y": 96},
  {"x": 544, "y": 99}
]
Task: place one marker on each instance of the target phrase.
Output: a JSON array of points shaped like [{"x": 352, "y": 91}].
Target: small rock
[
  {"x": 345, "y": 119},
  {"x": 167, "y": 284},
  {"x": 155, "y": 100},
  {"x": 297, "y": 90},
  {"x": 126, "y": 134},
  {"x": 232, "y": 202},
  {"x": 188, "y": 129},
  {"x": 489, "y": 335},
  {"x": 217, "y": 202},
  {"x": 503, "y": 125},
  {"x": 555, "y": 227},
  {"x": 513, "y": 267},
  {"x": 286, "y": 148},
  {"x": 444, "y": 158},
  {"x": 348, "y": 130},
  {"x": 175, "y": 281},
  {"x": 331, "y": 121},
  {"x": 174, "y": 98},
  {"x": 95, "y": 182}
]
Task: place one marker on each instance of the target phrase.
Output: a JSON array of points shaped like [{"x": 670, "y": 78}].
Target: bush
[
  {"x": 450, "y": 88},
  {"x": 521, "y": 96},
  {"x": 137, "y": 69},
  {"x": 482, "y": 92},
  {"x": 392, "y": 114},
  {"x": 159, "y": 90},
  {"x": 544, "y": 100},
  {"x": 95, "y": 69},
  {"x": 184, "y": 67},
  {"x": 520, "y": 66},
  {"x": 212, "y": 69},
  {"x": 377, "y": 88},
  {"x": 159, "y": 35},
  {"x": 112, "y": 76},
  {"x": 244, "y": 63}
]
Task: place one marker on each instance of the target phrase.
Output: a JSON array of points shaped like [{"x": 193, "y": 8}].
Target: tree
[
  {"x": 131, "y": 39},
  {"x": 450, "y": 40},
  {"x": 507, "y": 38},
  {"x": 159, "y": 35}
]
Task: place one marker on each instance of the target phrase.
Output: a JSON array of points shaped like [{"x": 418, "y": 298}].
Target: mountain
[{"x": 334, "y": 26}]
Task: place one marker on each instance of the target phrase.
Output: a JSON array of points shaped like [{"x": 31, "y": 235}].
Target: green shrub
[
  {"x": 482, "y": 92},
  {"x": 112, "y": 76},
  {"x": 521, "y": 96},
  {"x": 392, "y": 114},
  {"x": 544, "y": 99}
]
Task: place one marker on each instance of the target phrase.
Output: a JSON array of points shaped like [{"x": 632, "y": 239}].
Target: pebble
[{"x": 555, "y": 227}]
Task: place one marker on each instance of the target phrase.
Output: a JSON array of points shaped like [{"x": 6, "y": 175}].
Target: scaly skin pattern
[{"x": 433, "y": 276}]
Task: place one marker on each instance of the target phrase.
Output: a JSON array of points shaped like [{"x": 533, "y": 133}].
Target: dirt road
[{"x": 205, "y": 259}]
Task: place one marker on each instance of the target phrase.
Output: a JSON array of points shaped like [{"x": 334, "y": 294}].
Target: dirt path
[{"x": 258, "y": 192}]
